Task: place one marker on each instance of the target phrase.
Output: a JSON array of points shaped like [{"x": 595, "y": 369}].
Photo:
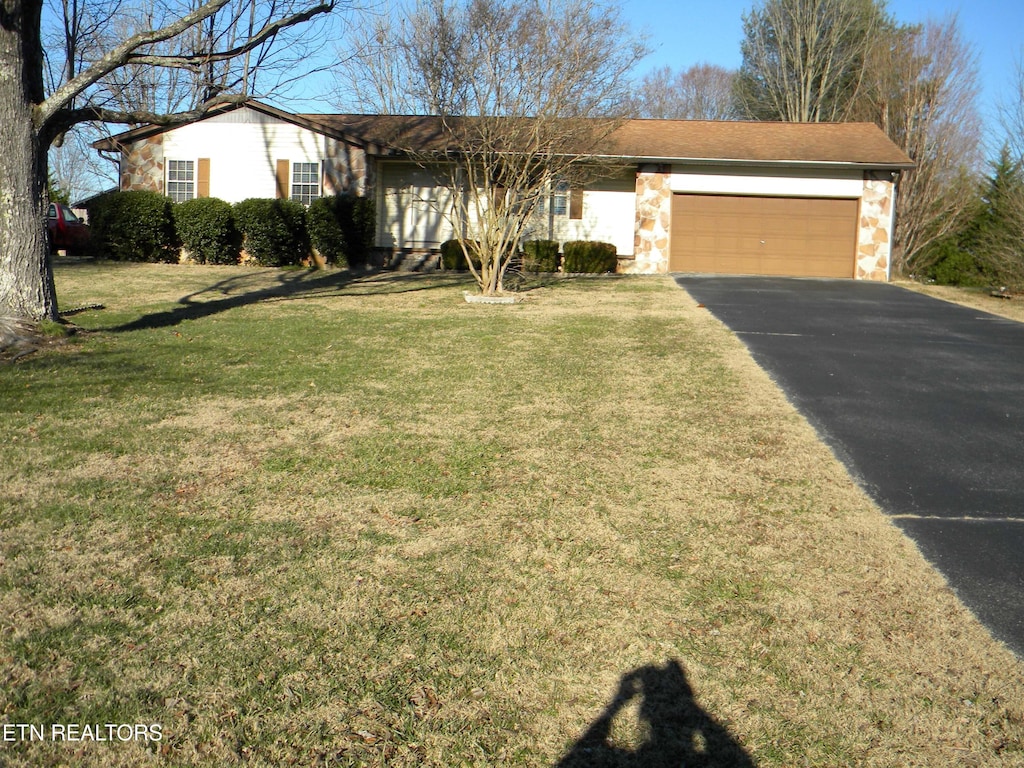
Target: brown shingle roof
[
  {"x": 860, "y": 143},
  {"x": 679, "y": 140},
  {"x": 653, "y": 140}
]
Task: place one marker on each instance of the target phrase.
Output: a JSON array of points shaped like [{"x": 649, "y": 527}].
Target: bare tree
[
  {"x": 921, "y": 88},
  {"x": 702, "y": 92},
  {"x": 76, "y": 168},
  {"x": 523, "y": 94},
  {"x": 35, "y": 112},
  {"x": 1011, "y": 112},
  {"x": 803, "y": 60}
]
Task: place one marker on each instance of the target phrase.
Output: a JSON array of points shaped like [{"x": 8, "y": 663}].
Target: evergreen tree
[{"x": 996, "y": 235}]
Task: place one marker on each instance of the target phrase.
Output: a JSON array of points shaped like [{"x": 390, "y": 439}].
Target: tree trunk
[{"x": 26, "y": 276}]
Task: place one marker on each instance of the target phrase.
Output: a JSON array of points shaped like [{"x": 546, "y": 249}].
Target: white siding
[
  {"x": 810, "y": 183},
  {"x": 415, "y": 207},
  {"x": 609, "y": 215},
  {"x": 244, "y": 147}
]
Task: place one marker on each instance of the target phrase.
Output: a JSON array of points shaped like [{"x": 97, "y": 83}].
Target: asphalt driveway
[{"x": 921, "y": 399}]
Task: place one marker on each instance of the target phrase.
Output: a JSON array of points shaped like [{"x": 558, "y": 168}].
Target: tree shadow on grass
[
  {"x": 678, "y": 732},
  {"x": 253, "y": 288}
]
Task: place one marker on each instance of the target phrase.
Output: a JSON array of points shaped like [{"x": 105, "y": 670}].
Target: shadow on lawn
[
  {"x": 252, "y": 288},
  {"x": 679, "y": 733}
]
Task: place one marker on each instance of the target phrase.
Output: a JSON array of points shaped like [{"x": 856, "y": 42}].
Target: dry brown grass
[
  {"x": 449, "y": 538},
  {"x": 977, "y": 298}
]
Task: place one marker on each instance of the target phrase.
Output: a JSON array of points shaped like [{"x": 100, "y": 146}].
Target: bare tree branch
[
  {"x": 522, "y": 93},
  {"x": 118, "y": 57},
  {"x": 259, "y": 38},
  {"x": 922, "y": 91},
  {"x": 803, "y": 60},
  {"x": 702, "y": 92}
]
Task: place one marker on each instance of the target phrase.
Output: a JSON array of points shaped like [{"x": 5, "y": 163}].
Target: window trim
[
  {"x": 314, "y": 188},
  {"x": 189, "y": 183},
  {"x": 560, "y": 190}
]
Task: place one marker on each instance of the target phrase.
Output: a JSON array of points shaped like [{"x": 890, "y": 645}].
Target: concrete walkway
[{"x": 921, "y": 399}]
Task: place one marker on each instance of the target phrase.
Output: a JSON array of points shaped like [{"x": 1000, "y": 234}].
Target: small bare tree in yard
[
  {"x": 524, "y": 94},
  {"x": 60, "y": 67},
  {"x": 921, "y": 89}
]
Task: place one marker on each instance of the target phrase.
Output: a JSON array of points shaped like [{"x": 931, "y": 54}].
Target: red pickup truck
[{"x": 66, "y": 231}]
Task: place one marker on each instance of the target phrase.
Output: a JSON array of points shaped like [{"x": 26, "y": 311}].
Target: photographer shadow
[{"x": 678, "y": 732}]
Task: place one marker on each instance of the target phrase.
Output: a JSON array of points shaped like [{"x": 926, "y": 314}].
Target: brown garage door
[{"x": 807, "y": 237}]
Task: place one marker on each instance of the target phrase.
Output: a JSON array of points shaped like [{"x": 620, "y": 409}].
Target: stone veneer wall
[
  {"x": 653, "y": 220},
  {"x": 345, "y": 169},
  {"x": 142, "y": 165},
  {"x": 874, "y": 238}
]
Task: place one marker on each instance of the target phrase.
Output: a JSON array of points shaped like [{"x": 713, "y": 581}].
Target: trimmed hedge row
[
  {"x": 146, "y": 226},
  {"x": 588, "y": 256}
]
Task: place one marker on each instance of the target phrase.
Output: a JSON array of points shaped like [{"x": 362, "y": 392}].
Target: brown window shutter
[
  {"x": 576, "y": 203},
  {"x": 283, "y": 179},
  {"x": 203, "y": 177}
]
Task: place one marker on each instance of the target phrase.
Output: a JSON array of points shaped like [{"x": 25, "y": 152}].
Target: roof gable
[{"x": 261, "y": 112}]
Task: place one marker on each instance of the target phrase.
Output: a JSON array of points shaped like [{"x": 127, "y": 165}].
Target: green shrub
[
  {"x": 954, "y": 266},
  {"x": 358, "y": 216},
  {"x": 133, "y": 226},
  {"x": 540, "y": 256},
  {"x": 342, "y": 228},
  {"x": 589, "y": 256},
  {"x": 206, "y": 227},
  {"x": 325, "y": 232},
  {"x": 453, "y": 255},
  {"x": 273, "y": 231}
]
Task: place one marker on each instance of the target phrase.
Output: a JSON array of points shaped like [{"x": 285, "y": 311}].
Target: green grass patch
[{"x": 306, "y": 518}]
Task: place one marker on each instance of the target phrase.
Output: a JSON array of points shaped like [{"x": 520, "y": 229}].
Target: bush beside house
[
  {"x": 206, "y": 229},
  {"x": 453, "y": 254},
  {"x": 133, "y": 226},
  {"x": 341, "y": 229},
  {"x": 540, "y": 256},
  {"x": 147, "y": 226},
  {"x": 273, "y": 231},
  {"x": 589, "y": 256}
]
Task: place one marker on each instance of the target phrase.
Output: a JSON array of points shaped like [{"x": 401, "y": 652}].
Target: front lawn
[{"x": 283, "y": 517}]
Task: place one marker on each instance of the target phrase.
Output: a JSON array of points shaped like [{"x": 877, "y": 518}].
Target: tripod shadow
[{"x": 678, "y": 732}]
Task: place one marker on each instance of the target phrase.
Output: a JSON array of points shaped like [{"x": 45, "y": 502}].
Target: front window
[
  {"x": 181, "y": 180},
  {"x": 560, "y": 198},
  {"x": 305, "y": 182}
]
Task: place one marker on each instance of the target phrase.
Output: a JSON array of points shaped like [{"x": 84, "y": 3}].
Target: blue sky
[{"x": 686, "y": 32}]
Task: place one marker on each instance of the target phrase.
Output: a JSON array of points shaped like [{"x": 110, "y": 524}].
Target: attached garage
[
  {"x": 761, "y": 235},
  {"x": 758, "y": 198}
]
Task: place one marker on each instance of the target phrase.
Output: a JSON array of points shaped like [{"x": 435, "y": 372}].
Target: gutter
[{"x": 758, "y": 163}]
